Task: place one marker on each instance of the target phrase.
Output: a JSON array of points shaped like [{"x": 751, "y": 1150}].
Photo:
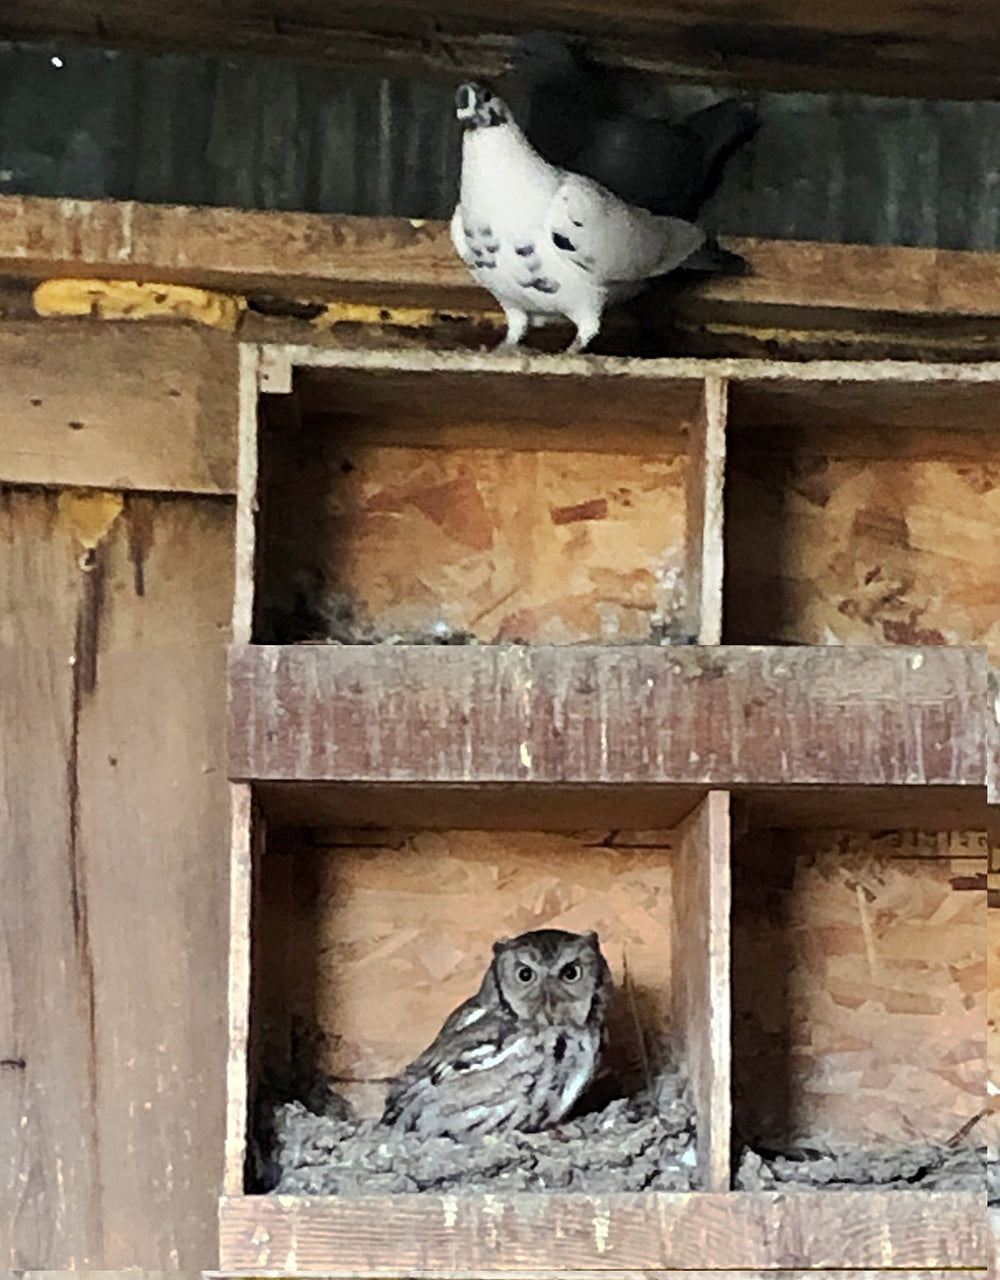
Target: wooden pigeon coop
[{"x": 714, "y": 686}]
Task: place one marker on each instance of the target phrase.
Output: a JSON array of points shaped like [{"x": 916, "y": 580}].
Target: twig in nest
[
  {"x": 640, "y": 1038},
  {"x": 966, "y": 1128}
]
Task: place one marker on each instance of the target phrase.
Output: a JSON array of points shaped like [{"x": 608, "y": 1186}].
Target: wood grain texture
[
  {"x": 701, "y": 905},
  {"x": 246, "y": 834},
  {"x": 800, "y": 1230},
  {"x": 683, "y": 715},
  {"x": 247, "y": 466},
  {"x": 119, "y": 804},
  {"x": 860, "y": 987},
  {"x": 397, "y": 261},
  {"x": 115, "y": 406},
  {"x": 905, "y": 48},
  {"x": 705, "y": 513}
]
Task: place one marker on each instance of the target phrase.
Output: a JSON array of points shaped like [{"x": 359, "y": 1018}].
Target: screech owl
[{"x": 518, "y": 1053}]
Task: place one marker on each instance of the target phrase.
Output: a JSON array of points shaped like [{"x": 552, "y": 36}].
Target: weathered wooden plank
[
  {"x": 702, "y": 901},
  {"x": 154, "y": 834},
  {"x": 114, "y": 630},
  {"x": 864, "y": 1229},
  {"x": 395, "y": 260},
  {"x": 880, "y": 716},
  {"x": 118, "y": 406},
  {"x": 705, "y": 496},
  {"x": 246, "y": 830},
  {"x": 904, "y": 47},
  {"x": 50, "y": 1198}
]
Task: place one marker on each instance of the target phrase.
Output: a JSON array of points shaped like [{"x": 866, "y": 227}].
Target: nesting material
[
  {"x": 923, "y": 1167},
  {"x": 644, "y": 1143}
]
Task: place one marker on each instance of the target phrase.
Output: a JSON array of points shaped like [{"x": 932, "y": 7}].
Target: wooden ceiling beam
[{"x": 896, "y": 47}]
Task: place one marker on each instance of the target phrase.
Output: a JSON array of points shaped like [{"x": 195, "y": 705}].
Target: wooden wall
[{"x": 114, "y": 612}]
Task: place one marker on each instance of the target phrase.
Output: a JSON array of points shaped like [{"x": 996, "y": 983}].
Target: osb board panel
[
  {"x": 826, "y": 544},
  {"x": 118, "y": 406},
  {"x": 686, "y": 715},
  {"x": 509, "y": 543},
  {"x": 372, "y": 938},
  {"x": 775, "y": 1230},
  {"x": 113, "y": 616},
  {"x": 860, "y": 986}
]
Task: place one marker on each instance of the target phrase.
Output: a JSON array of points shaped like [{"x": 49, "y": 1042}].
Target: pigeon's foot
[
  {"x": 517, "y": 327},
  {"x": 587, "y": 329}
]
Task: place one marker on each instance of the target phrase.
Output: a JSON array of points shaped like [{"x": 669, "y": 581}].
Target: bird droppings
[
  {"x": 923, "y": 1166},
  {"x": 644, "y": 1143}
]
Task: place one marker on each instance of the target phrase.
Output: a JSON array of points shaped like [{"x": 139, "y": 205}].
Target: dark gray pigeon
[{"x": 576, "y": 118}]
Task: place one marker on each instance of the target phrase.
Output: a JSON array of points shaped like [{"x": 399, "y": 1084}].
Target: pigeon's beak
[{"x": 465, "y": 102}]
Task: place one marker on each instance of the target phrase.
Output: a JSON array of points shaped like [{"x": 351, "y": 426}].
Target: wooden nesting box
[{"x": 782, "y": 844}]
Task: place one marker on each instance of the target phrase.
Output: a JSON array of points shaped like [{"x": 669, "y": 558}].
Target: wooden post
[
  {"x": 701, "y": 978},
  {"x": 246, "y": 496},
  {"x": 245, "y": 832},
  {"x": 705, "y": 512}
]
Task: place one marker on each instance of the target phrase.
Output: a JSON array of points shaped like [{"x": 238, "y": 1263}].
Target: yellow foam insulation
[
  {"x": 131, "y": 300},
  {"x": 401, "y": 317},
  {"x": 89, "y": 514}
]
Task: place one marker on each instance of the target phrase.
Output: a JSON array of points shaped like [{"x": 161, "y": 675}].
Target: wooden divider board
[
  {"x": 598, "y": 715},
  {"x": 701, "y": 901}
]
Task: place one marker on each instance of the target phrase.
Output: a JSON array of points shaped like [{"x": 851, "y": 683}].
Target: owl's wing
[{"x": 615, "y": 242}]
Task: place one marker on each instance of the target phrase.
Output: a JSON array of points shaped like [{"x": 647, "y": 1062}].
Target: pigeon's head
[{"x": 478, "y": 107}]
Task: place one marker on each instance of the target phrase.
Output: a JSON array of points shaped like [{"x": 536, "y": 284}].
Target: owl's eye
[
  {"x": 570, "y": 972},
  {"x": 525, "y": 973}
]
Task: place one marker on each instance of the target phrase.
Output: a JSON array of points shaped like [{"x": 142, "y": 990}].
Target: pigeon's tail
[
  {"x": 711, "y": 257},
  {"x": 723, "y": 128}
]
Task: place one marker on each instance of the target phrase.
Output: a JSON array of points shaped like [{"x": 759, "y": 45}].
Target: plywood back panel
[
  {"x": 371, "y": 939},
  {"x": 870, "y": 534},
  {"x": 860, "y": 986}
]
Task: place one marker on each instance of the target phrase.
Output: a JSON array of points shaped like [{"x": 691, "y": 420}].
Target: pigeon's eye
[
  {"x": 525, "y": 973},
  {"x": 570, "y": 972}
]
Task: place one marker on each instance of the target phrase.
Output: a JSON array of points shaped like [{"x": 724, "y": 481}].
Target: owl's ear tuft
[
  {"x": 501, "y": 944},
  {"x": 592, "y": 938}
]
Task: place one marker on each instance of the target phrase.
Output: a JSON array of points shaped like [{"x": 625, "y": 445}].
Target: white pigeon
[{"x": 547, "y": 243}]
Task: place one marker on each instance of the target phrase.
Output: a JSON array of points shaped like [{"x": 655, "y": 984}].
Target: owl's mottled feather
[{"x": 517, "y": 1054}]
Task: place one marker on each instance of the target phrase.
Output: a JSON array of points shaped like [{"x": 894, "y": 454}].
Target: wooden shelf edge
[
  {"x": 725, "y": 716},
  {"x": 726, "y": 1230},
  {"x": 400, "y": 261}
]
